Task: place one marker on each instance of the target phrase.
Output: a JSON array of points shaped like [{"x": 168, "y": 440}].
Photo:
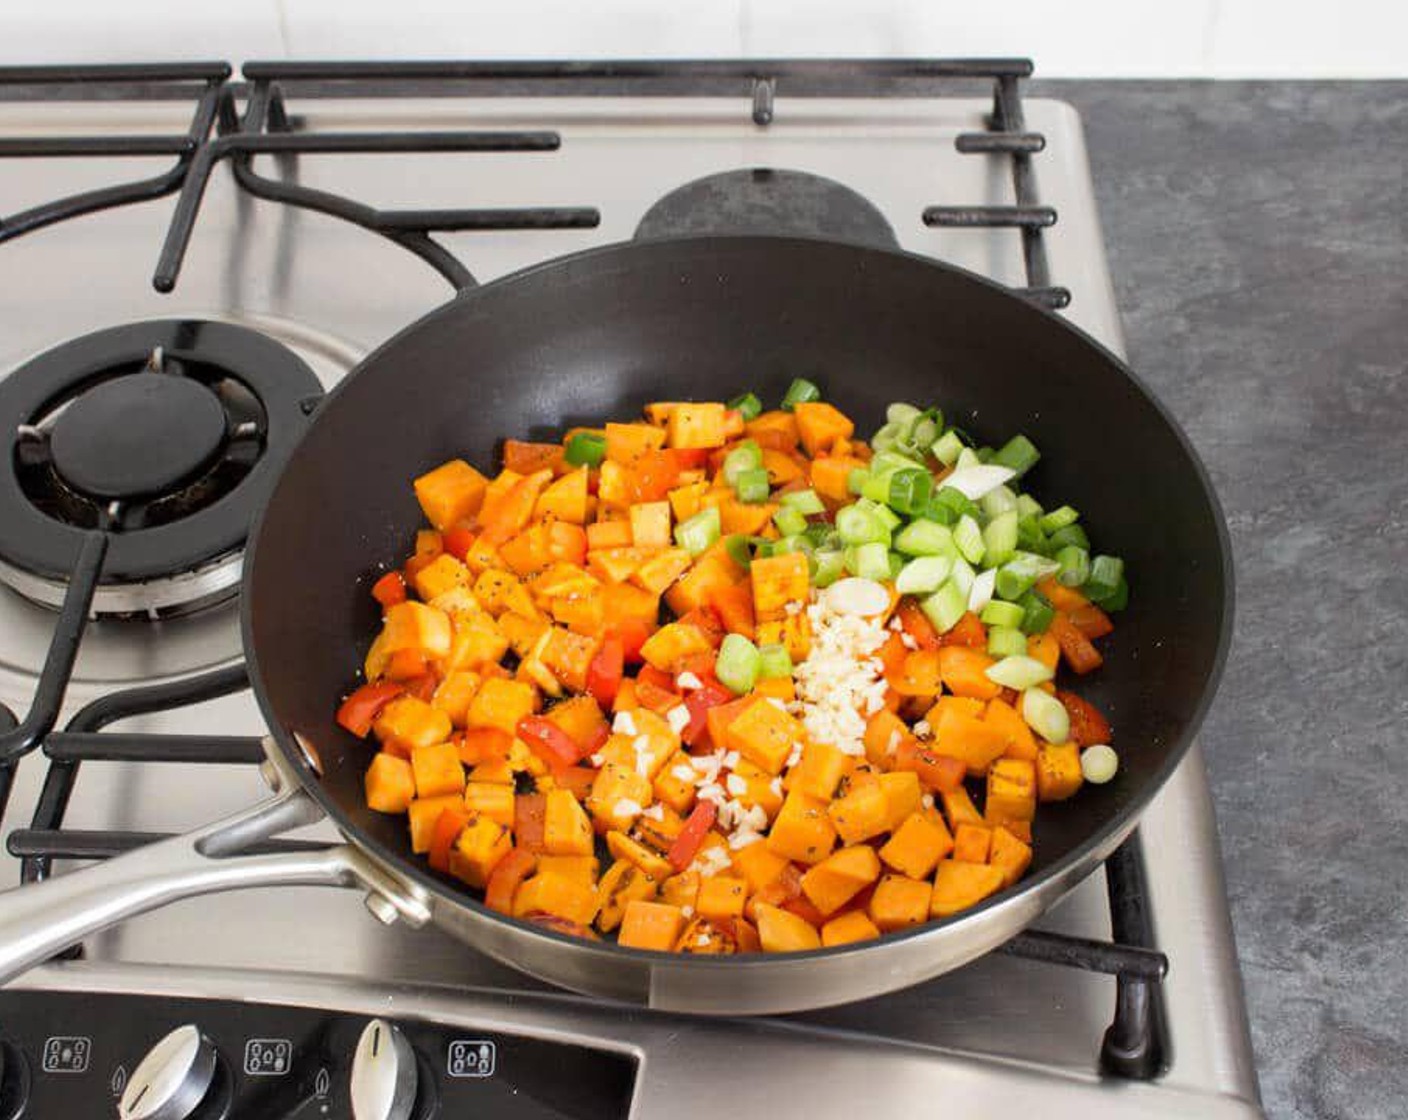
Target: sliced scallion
[
  {"x": 1075, "y": 566},
  {"x": 947, "y": 448},
  {"x": 1046, "y": 715},
  {"x": 748, "y": 404},
  {"x": 1099, "y": 763},
  {"x": 738, "y": 664},
  {"x": 1059, "y": 519},
  {"x": 773, "y": 661},
  {"x": 998, "y": 613},
  {"x": 923, "y": 575},
  {"x": 925, "y": 538},
  {"x": 804, "y": 502},
  {"x": 1006, "y": 641},
  {"x": 1105, "y": 575},
  {"x": 752, "y": 486},
  {"x": 747, "y": 456},
  {"x": 858, "y": 525},
  {"x": 830, "y": 566},
  {"x": 945, "y": 606},
  {"x": 969, "y": 539},
  {"x": 1000, "y": 538},
  {"x": 1019, "y": 671},
  {"x": 799, "y": 392},
  {"x": 696, "y": 534},
  {"x": 1018, "y": 454},
  {"x": 789, "y": 522},
  {"x": 1037, "y": 613},
  {"x": 869, "y": 561}
]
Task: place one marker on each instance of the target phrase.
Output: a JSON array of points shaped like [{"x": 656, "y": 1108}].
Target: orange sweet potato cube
[
  {"x": 820, "y": 771},
  {"x": 491, "y": 800},
  {"x": 412, "y": 723},
  {"x": 863, "y": 811},
  {"x": 918, "y": 844},
  {"x": 971, "y": 843},
  {"x": 501, "y": 703},
  {"x": 959, "y": 885},
  {"x": 781, "y": 931},
  {"x": 759, "y": 866},
  {"x": 568, "y": 656},
  {"x": 903, "y": 795},
  {"x": 1011, "y": 791},
  {"x": 566, "y": 829},
  {"x": 1058, "y": 773},
  {"x": 558, "y": 895},
  {"x": 722, "y": 896},
  {"x": 454, "y": 694},
  {"x": 581, "y": 869},
  {"x": 673, "y": 643},
  {"x": 673, "y": 786},
  {"x": 480, "y": 846},
  {"x": 959, "y": 807},
  {"x": 899, "y": 901},
  {"x": 777, "y": 581},
  {"x": 696, "y": 425},
  {"x": 622, "y": 884},
  {"x": 764, "y": 734},
  {"x": 840, "y": 877},
  {"x": 442, "y": 574},
  {"x": 820, "y": 425},
  {"x": 438, "y": 770},
  {"x": 1009, "y": 855},
  {"x": 421, "y": 815},
  {"x": 802, "y": 831},
  {"x": 847, "y": 928},
  {"x": 1021, "y": 743},
  {"x": 451, "y": 492},
  {"x": 660, "y": 571},
  {"x": 650, "y": 524},
  {"x": 618, "y": 795},
  {"x": 390, "y": 783},
  {"x": 651, "y": 925}
]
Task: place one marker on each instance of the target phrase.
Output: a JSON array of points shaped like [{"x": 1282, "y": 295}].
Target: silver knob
[
  {"x": 383, "y": 1074},
  {"x": 172, "y": 1080}
]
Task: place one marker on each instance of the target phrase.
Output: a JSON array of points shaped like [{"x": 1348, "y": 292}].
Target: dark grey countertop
[{"x": 1256, "y": 234}]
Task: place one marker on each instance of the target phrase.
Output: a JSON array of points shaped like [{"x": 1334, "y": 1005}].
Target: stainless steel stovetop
[{"x": 998, "y": 1034}]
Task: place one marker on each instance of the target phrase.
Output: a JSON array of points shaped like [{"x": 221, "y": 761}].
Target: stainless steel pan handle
[{"x": 40, "y": 919}]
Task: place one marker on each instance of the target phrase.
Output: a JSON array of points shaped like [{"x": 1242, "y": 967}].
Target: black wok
[{"x": 598, "y": 335}]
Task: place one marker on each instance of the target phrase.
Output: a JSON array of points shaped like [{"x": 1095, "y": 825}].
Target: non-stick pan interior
[{"x": 598, "y": 335}]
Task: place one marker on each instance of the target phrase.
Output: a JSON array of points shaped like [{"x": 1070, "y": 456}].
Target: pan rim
[{"x": 1123, "y": 823}]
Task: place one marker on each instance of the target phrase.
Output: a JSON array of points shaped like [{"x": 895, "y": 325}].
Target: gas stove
[{"x": 159, "y": 356}]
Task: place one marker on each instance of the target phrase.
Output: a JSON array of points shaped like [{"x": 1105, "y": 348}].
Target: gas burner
[
  {"x": 766, "y": 201},
  {"x": 167, "y": 433}
]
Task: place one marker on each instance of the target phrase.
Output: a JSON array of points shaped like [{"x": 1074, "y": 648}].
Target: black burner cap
[{"x": 139, "y": 435}]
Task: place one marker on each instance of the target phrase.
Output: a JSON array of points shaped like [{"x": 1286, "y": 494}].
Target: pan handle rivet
[{"x": 382, "y": 908}]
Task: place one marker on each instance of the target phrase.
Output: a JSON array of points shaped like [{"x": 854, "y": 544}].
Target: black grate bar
[
  {"x": 1000, "y": 143},
  {"x": 118, "y": 72},
  {"x": 990, "y": 217},
  {"x": 59, "y": 780},
  {"x": 8, "y": 722},
  {"x": 1052, "y": 297},
  {"x": 829, "y": 72},
  {"x": 123, "y": 194},
  {"x": 354, "y": 143},
  {"x": 1113, "y": 959},
  {"x": 1136, "y": 1045},
  {"x": 115, "y": 746},
  {"x": 535, "y": 217},
  {"x": 1007, "y": 117},
  {"x": 51, "y": 844},
  {"x": 43, "y": 147}
]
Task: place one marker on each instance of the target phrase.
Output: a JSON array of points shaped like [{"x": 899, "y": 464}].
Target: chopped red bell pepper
[
  {"x": 686, "y": 845},
  {"x": 359, "y": 710},
  {"x": 1080, "y": 654},
  {"x": 506, "y": 878},
  {"x": 967, "y": 631},
  {"x": 655, "y": 678},
  {"x": 596, "y": 739},
  {"x": 707, "y": 621},
  {"x": 936, "y": 771},
  {"x": 605, "y": 671},
  {"x": 577, "y": 780},
  {"x": 689, "y": 458},
  {"x": 698, "y": 702},
  {"x": 422, "y": 687},
  {"x": 390, "y": 589},
  {"x": 1091, "y": 621},
  {"x": 633, "y": 634},
  {"x": 458, "y": 541},
  {"x": 549, "y": 742},
  {"x": 1088, "y": 725},
  {"x": 448, "y": 827},
  {"x": 917, "y": 625}
]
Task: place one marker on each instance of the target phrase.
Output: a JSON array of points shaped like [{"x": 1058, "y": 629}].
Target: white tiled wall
[{"x": 1136, "y": 38}]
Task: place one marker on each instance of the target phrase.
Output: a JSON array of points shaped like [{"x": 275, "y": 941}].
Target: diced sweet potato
[
  {"x": 582, "y": 869},
  {"x": 557, "y": 895},
  {"x": 722, "y": 896},
  {"x": 830, "y": 477},
  {"x": 1004, "y": 718},
  {"x": 650, "y": 925},
  {"x": 618, "y": 795},
  {"x": 661, "y": 570},
  {"x": 412, "y": 723},
  {"x": 437, "y": 769},
  {"x": 441, "y": 575},
  {"x": 793, "y": 632},
  {"x": 488, "y": 799},
  {"x": 390, "y": 783},
  {"x": 959, "y": 885},
  {"x": 451, "y": 492},
  {"x": 765, "y": 735},
  {"x": 759, "y": 866},
  {"x": 863, "y": 811},
  {"x": 501, "y": 591},
  {"x": 696, "y": 425},
  {"x": 898, "y": 902},
  {"x": 1009, "y": 855},
  {"x": 959, "y": 807},
  {"x": 883, "y": 735},
  {"x": 622, "y": 884},
  {"x": 454, "y": 694},
  {"x": 802, "y": 830},
  {"x": 672, "y": 788},
  {"x": 626, "y": 443},
  {"x": 848, "y": 928},
  {"x": 712, "y": 570},
  {"x": 681, "y": 889},
  {"x": 820, "y": 771},
  {"x": 501, "y": 704},
  {"x": 482, "y": 844},
  {"x": 903, "y": 794},
  {"x": 421, "y": 815},
  {"x": 840, "y": 877},
  {"x": 776, "y": 429},
  {"x": 673, "y": 643},
  {"x": 477, "y": 641},
  {"x": 819, "y": 425},
  {"x": 566, "y": 829},
  {"x": 777, "y": 581},
  {"x": 651, "y": 862},
  {"x": 971, "y": 843},
  {"x": 975, "y": 742},
  {"x": 566, "y": 499},
  {"x": 568, "y": 656},
  {"x": 1011, "y": 791},
  {"x": 783, "y": 932},
  {"x": 964, "y": 672},
  {"x": 408, "y": 626},
  {"x": 1058, "y": 773},
  {"x": 918, "y": 844}
]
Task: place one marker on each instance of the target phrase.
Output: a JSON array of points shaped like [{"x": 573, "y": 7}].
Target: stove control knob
[
  {"x": 172, "y": 1080},
  {"x": 384, "y": 1074}
]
